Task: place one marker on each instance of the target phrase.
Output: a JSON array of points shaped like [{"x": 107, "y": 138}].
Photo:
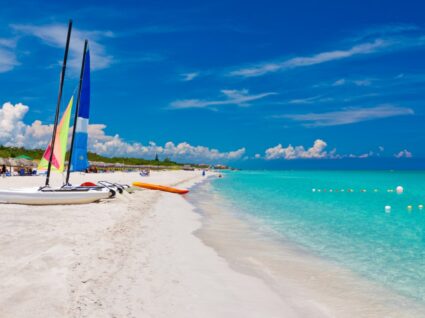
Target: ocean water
[{"x": 343, "y": 219}]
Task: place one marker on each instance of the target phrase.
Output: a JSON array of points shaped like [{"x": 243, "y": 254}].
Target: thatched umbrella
[
  {"x": 21, "y": 162},
  {"x": 13, "y": 162},
  {"x": 26, "y": 162}
]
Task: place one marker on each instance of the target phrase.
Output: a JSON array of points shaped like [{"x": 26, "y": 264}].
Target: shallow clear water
[{"x": 350, "y": 228}]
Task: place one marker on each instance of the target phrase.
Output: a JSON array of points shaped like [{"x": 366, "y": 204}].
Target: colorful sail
[
  {"x": 61, "y": 141},
  {"x": 79, "y": 161}
]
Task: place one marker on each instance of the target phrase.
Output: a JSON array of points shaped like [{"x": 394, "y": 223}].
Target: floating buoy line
[
  {"x": 409, "y": 208},
  {"x": 399, "y": 190}
]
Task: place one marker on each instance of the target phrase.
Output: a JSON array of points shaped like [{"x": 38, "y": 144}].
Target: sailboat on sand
[
  {"x": 79, "y": 140},
  {"x": 54, "y": 159}
]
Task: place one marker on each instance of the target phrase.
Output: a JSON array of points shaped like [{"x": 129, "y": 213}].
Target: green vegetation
[
  {"x": 13, "y": 152},
  {"x": 132, "y": 161}
]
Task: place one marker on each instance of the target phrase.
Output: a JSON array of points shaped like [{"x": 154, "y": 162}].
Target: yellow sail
[{"x": 61, "y": 141}]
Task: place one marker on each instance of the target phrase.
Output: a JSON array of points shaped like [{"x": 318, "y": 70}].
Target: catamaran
[
  {"x": 54, "y": 157},
  {"x": 78, "y": 151}
]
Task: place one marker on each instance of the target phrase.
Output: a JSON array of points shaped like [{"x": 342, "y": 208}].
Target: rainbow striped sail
[{"x": 61, "y": 141}]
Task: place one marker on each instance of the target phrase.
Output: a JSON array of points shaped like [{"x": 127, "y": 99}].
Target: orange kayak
[{"x": 159, "y": 187}]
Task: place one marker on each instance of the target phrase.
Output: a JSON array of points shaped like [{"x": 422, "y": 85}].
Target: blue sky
[{"x": 225, "y": 80}]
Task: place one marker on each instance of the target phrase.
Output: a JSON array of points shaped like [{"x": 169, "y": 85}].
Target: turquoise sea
[{"x": 340, "y": 216}]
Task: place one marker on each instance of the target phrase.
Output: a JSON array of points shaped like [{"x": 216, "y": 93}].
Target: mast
[
  {"x": 65, "y": 57},
  {"x": 68, "y": 171}
]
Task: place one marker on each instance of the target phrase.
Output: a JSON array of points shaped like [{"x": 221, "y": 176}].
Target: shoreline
[
  {"x": 292, "y": 271},
  {"x": 156, "y": 254},
  {"x": 135, "y": 255},
  {"x": 194, "y": 279}
]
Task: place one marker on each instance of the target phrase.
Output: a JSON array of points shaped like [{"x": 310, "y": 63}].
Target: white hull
[{"x": 52, "y": 197}]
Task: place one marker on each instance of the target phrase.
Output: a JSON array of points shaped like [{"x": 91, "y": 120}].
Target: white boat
[
  {"x": 54, "y": 156},
  {"x": 48, "y": 196}
]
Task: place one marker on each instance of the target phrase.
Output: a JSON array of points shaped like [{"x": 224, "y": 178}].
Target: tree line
[{"x": 13, "y": 152}]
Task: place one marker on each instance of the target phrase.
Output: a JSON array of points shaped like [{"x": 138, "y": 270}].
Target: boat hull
[{"x": 52, "y": 197}]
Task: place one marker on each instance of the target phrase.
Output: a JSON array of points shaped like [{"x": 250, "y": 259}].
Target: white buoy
[
  {"x": 387, "y": 209},
  {"x": 399, "y": 190}
]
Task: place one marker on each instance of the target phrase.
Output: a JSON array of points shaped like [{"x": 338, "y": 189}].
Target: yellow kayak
[{"x": 159, "y": 187}]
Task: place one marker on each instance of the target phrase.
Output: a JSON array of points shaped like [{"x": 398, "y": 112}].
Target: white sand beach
[{"x": 134, "y": 256}]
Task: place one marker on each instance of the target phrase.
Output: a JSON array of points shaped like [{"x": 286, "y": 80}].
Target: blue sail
[{"x": 79, "y": 161}]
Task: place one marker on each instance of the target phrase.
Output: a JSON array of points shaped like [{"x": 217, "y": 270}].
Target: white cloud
[
  {"x": 364, "y": 82},
  {"x": 389, "y": 40},
  {"x": 340, "y": 82},
  {"x": 348, "y": 115},
  {"x": 362, "y": 156},
  {"x": 343, "y": 81},
  {"x": 187, "y": 77},
  {"x": 317, "y": 151},
  {"x": 10, "y": 122},
  {"x": 14, "y": 132},
  {"x": 403, "y": 154},
  {"x": 8, "y": 59},
  {"x": 310, "y": 100},
  {"x": 307, "y": 100},
  {"x": 55, "y": 35},
  {"x": 10, "y": 43},
  {"x": 232, "y": 97},
  {"x": 359, "y": 49},
  {"x": 103, "y": 144}
]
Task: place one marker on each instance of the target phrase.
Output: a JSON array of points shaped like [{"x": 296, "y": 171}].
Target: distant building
[
  {"x": 203, "y": 166},
  {"x": 221, "y": 167}
]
